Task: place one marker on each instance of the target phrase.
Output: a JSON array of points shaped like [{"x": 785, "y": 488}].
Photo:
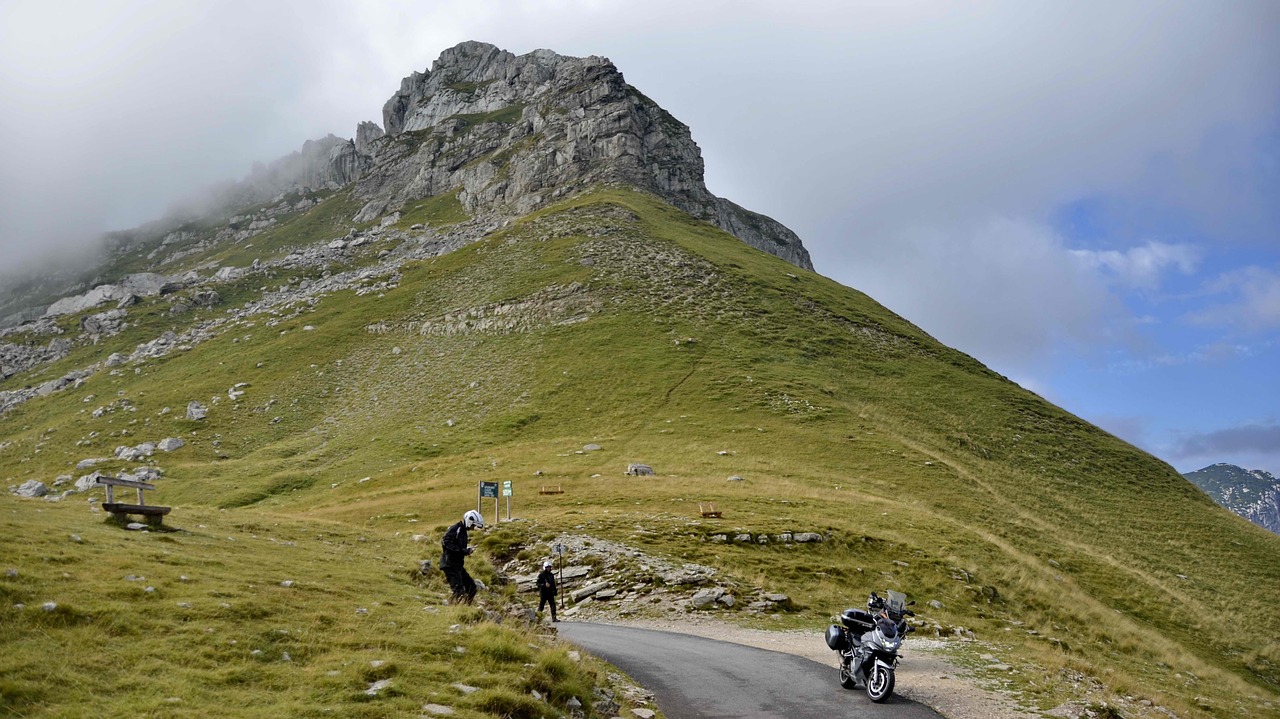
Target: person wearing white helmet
[
  {"x": 453, "y": 559},
  {"x": 547, "y": 589}
]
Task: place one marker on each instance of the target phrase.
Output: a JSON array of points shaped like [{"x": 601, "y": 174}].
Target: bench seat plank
[{"x": 121, "y": 508}]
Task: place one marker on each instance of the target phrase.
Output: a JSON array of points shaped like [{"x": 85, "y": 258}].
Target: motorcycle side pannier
[
  {"x": 836, "y": 638},
  {"x": 859, "y": 620}
]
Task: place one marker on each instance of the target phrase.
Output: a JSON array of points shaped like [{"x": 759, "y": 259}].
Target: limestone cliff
[{"x": 516, "y": 132}]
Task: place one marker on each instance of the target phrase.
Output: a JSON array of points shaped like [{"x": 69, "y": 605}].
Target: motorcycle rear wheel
[
  {"x": 846, "y": 675},
  {"x": 879, "y": 684}
]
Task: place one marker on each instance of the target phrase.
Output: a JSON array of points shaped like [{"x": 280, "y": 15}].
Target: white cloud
[
  {"x": 1007, "y": 290},
  {"x": 1253, "y": 304},
  {"x": 1143, "y": 267}
]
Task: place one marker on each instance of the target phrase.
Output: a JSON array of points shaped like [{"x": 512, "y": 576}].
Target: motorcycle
[{"x": 867, "y": 642}]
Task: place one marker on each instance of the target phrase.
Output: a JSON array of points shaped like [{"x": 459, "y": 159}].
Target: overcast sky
[{"x": 1082, "y": 195}]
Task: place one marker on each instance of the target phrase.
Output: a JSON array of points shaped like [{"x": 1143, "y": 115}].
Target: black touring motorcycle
[{"x": 868, "y": 642}]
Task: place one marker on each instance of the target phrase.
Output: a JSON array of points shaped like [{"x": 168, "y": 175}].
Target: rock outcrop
[
  {"x": 1252, "y": 494},
  {"x": 145, "y": 284},
  {"x": 512, "y": 133}
]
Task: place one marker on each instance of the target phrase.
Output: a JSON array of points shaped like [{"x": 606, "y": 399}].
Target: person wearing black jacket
[
  {"x": 547, "y": 590},
  {"x": 455, "y": 555}
]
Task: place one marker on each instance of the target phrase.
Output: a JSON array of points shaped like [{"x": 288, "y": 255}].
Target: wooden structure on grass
[
  {"x": 550, "y": 489},
  {"x": 119, "y": 510},
  {"x": 708, "y": 509}
]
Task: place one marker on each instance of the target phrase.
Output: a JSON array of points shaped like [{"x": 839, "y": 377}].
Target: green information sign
[
  {"x": 489, "y": 489},
  {"x": 506, "y": 488}
]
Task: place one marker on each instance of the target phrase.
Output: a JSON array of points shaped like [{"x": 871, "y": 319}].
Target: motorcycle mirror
[{"x": 910, "y": 603}]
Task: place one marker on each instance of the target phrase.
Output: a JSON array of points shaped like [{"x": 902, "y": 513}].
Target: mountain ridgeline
[
  {"x": 1252, "y": 494},
  {"x": 520, "y": 276}
]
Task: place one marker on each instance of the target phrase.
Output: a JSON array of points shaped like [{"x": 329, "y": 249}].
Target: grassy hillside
[{"x": 614, "y": 319}]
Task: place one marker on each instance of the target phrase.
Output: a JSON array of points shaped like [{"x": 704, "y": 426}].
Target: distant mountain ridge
[{"x": 1252, "y": 494}]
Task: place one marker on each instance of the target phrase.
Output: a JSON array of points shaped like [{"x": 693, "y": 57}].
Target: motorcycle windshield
[
  {"x": 888, "y": 629},
  {"x": 896, "y": 601}
]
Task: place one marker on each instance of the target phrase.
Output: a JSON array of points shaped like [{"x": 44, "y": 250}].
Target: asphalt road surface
[{"x": 697, "y": 678}]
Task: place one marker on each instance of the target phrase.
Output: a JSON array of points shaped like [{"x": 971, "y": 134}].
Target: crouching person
[{"x": 454, "y": 558}]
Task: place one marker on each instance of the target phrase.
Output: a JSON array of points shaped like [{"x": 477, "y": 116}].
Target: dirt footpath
[{"x": 925, "y": 675}]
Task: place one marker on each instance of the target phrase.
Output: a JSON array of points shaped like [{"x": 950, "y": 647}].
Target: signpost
[
  {"x": 559, "y": 550},
  {"x": 488, "y": 489},
  {"x": 506, "y": 492}
]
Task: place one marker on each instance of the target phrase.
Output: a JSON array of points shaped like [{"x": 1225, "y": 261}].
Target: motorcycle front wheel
[
  {"x": 846, "y": 675},
  {"x": 880, "y": 683}
]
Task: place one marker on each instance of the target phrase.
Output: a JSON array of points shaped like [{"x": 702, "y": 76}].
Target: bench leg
[{"x": 155, "y": 520}]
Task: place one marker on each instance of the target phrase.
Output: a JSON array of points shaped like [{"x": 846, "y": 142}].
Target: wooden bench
[
  {"x": 119, "y": 510},
  {"x": 708, "y": 509},
  {"x": 550, "y": 489}
]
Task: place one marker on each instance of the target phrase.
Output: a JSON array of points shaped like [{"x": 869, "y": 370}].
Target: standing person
[
  {"x": 547, "y": 589},
  {"x": 455, "y": 555}
]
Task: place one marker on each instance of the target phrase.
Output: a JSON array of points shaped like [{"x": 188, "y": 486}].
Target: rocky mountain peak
[{"x": 510, "y": 133}]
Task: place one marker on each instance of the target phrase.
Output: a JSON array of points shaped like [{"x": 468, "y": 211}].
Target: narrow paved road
[{"x": 696, "y": 678}]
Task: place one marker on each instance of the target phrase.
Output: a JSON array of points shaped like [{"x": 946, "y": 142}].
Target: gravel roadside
[{"x": 925, "y": 675}]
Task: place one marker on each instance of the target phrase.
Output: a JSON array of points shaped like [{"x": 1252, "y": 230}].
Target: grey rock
[
  {"x": 587, "y": 591},
  {"x": 706, "y": 597},
  {"x": 735, "y": 478},
  {"x": 143, "y": 285},
  {"x": 806, "y": 537},
  {"x": 206, "y": 298},
  {"x": 591, "y": 448},
  {"x": 89, "y": 462},
  {"x": 639, "y": 470},
  {"x": 196, "y": 411},
  {"x": 103, "y": 324},
  {"x": 147, "y": 474},
  {"x": 518, "y": 132},
  {"x": 88, "y": 481},
  {"x": 376, "y": 688},
  {"x": 31, "y": 488},
  {"x": 366, "y": 133},
  {"x": 168, "y": 444},
  {"x": 437, "y": 709}
]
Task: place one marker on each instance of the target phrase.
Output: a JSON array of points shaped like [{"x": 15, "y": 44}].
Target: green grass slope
[{"x": 616, "y": 320}]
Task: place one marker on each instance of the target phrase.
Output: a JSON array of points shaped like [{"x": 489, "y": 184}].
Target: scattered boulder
[
  {"x": 587, "y": 591},
  {"x": 197, "y": 411},
  {"x": 706, "y": 597},
  {"x": 591, "y": 448},
  {"x": 129, "y": 454},
  {"x": 639, "y": 470},
  {"x": 205, "y": 298},
  {"x": 31, "y": 488},
  {"x": 103, "y": 324},
  {"x": 88, "y": 482},
  {"x": 805, "y": 537},
  {"x": 169, "y": 444}
]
